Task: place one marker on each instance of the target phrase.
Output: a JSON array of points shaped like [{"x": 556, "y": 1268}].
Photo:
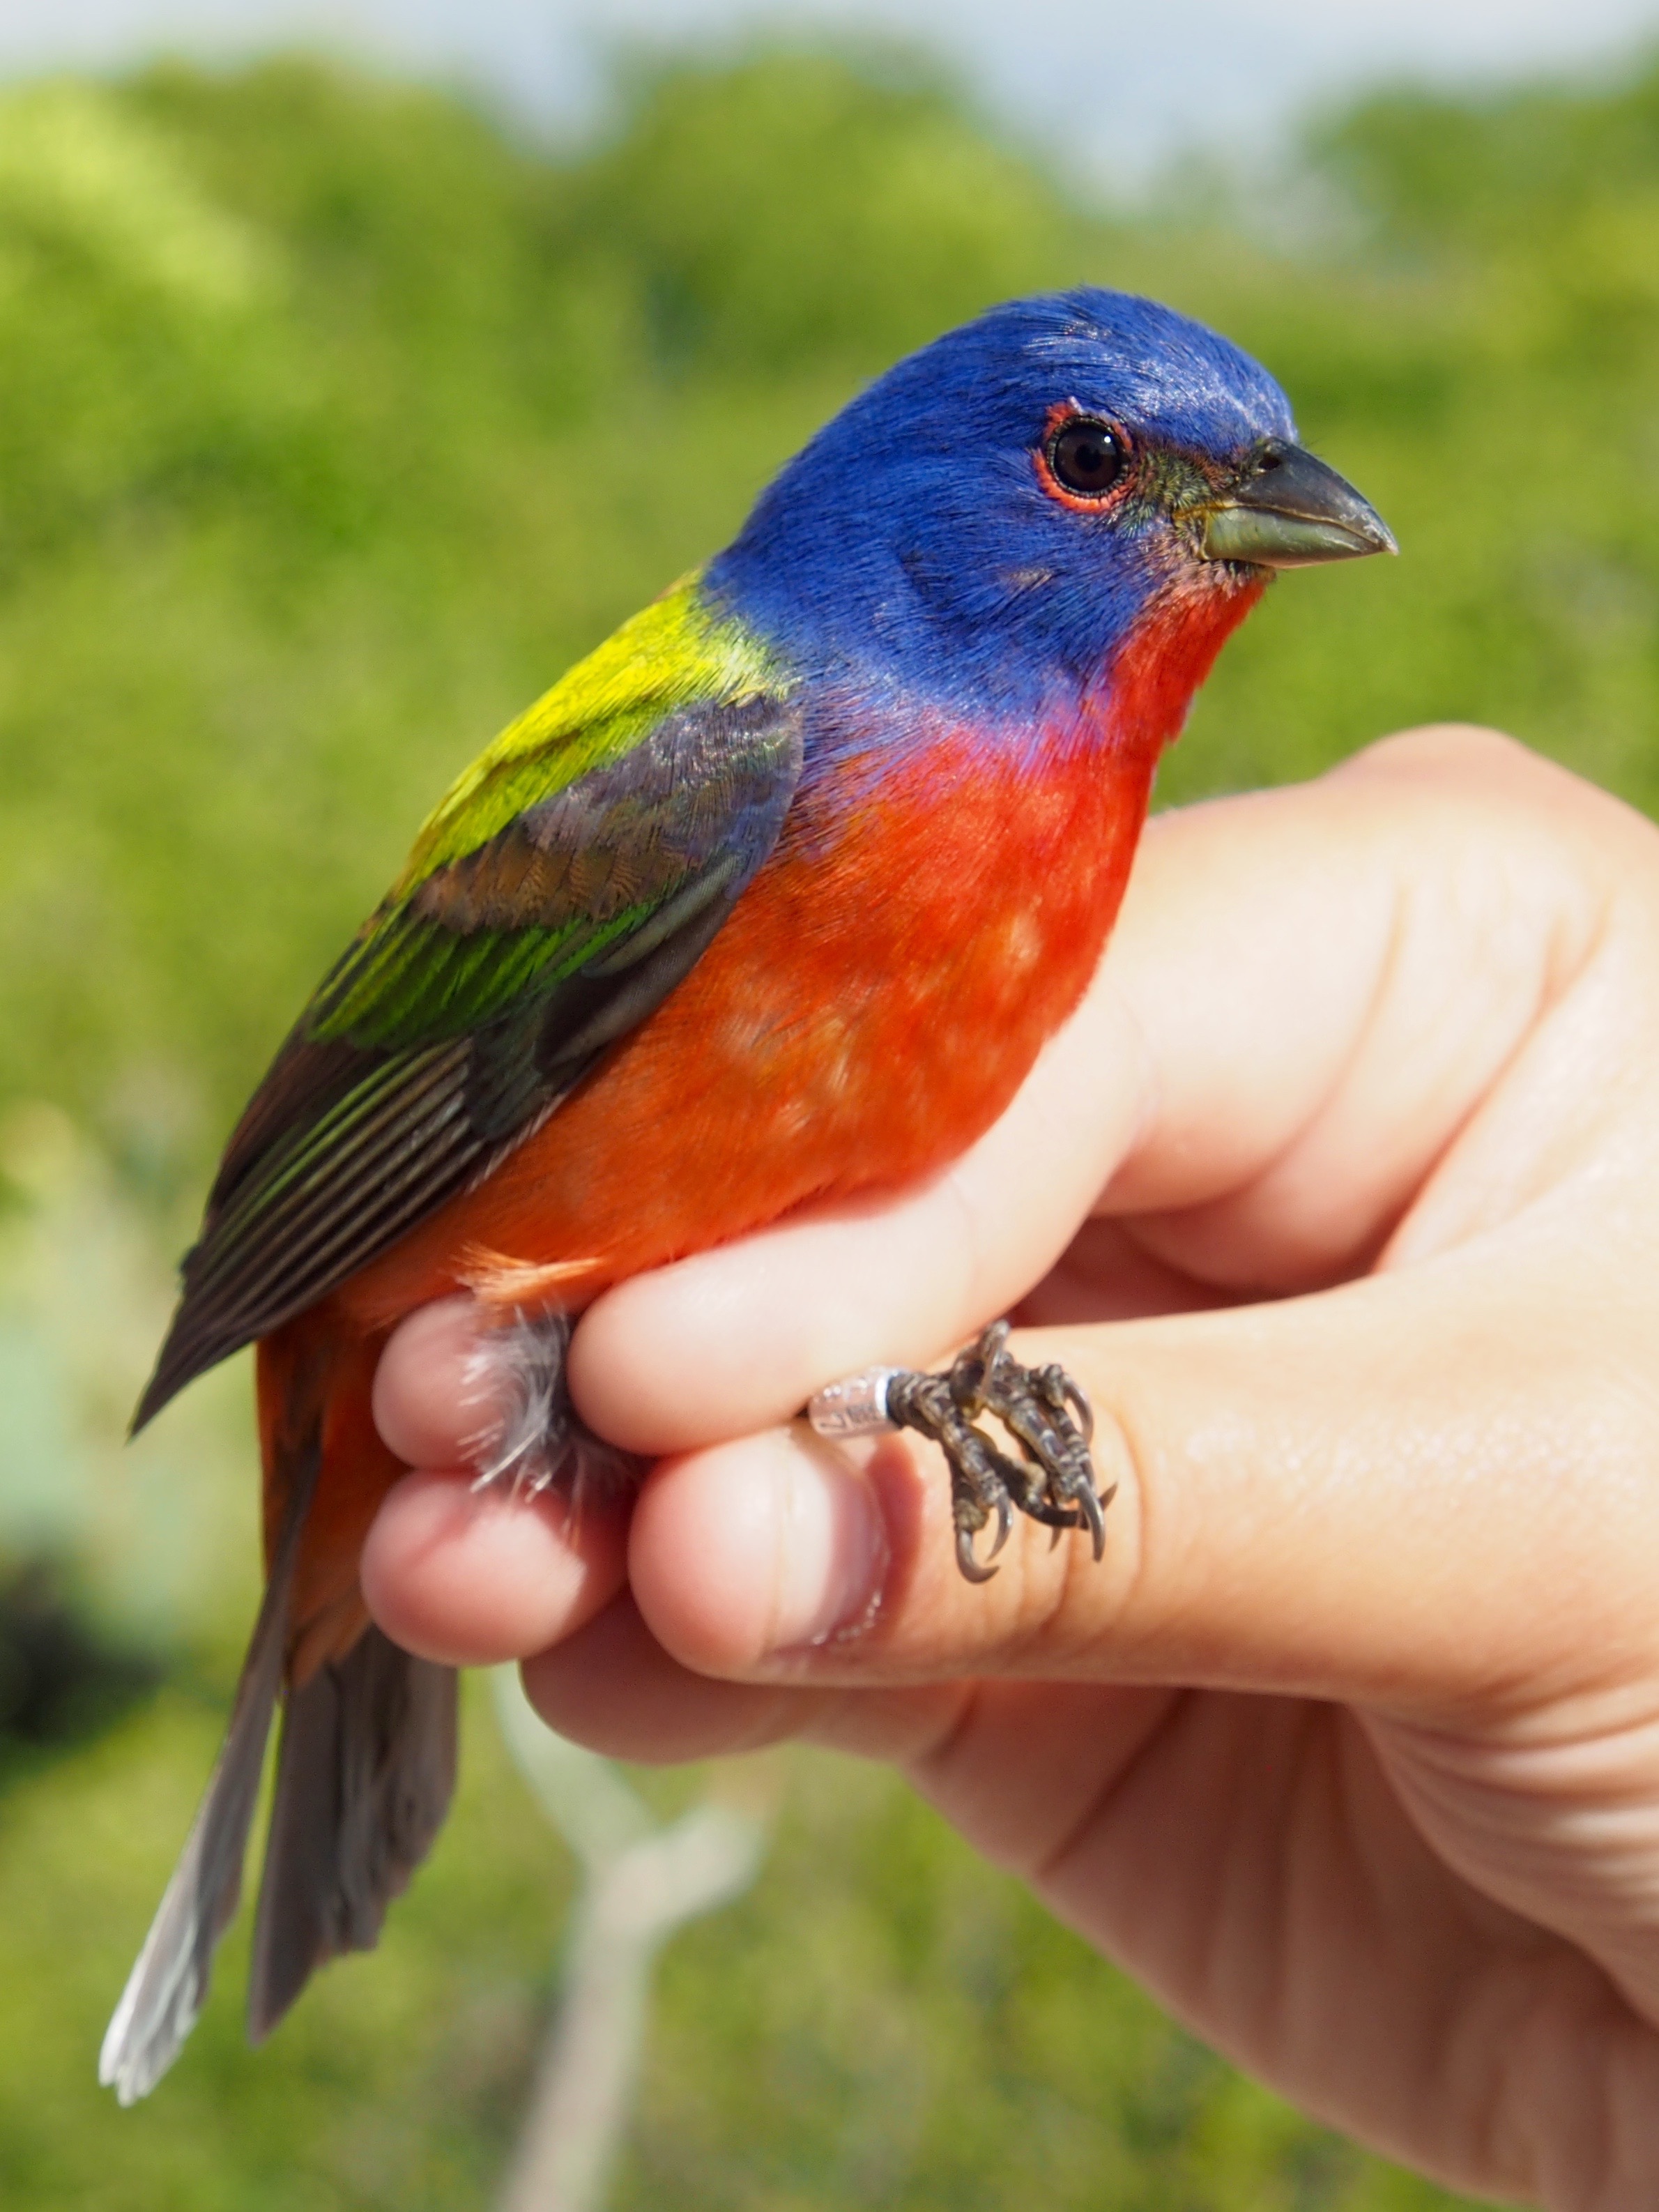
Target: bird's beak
[{"x": 1288, "y": 510}]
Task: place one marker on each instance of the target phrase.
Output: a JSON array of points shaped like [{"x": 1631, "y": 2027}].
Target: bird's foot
[
  {"x": 1041, "y": 1409},
  {"x": 536, "y": 1439}
]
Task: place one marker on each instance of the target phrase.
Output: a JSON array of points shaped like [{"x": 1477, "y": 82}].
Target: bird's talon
[
  {"x": 1053, "y": 1480},
  {"x": 1094, "y": 1512},
  {"x": 971, "y": 1569},
  {"x": 1004, "y": 1524}
]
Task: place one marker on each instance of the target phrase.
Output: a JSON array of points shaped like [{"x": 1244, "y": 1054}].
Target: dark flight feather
[
  {"x": 469, "y": 1007},
  {"x": 364, "y": 1777}
]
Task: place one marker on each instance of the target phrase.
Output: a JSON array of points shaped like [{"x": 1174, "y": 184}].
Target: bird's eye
[{"x": 1086, "y": 456}]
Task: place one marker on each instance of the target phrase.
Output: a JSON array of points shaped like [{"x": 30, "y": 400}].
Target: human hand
[{"x": 1349, "y": 1750}]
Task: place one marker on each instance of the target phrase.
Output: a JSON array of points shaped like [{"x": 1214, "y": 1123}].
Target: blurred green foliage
[{"x": 332, "y": 424}]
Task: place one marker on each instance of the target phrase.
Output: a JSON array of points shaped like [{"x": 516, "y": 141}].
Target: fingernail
[{"x": 831, "y": 1546}]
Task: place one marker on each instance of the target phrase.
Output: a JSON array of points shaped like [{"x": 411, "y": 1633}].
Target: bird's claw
[
  {"x": 1042, "y": 1409},
  {"x": 971, "y": 1569},
  {"x": 1004, "y": 1522}
]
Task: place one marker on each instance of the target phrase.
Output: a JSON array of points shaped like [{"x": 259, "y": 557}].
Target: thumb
[{"x": 1336, "y": 1496}]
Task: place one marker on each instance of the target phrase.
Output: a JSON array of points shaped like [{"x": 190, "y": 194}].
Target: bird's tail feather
[
  {"x": 165, "y": 1988},
  {"x": 364, "y": 1778}
]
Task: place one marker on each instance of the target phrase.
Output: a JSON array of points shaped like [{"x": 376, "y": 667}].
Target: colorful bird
[{"x": 773, "y": 898}]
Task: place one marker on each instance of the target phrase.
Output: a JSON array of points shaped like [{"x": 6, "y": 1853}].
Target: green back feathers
[
  {"x": 473, "y": 924},
  {"x": 572, "y": 876}
]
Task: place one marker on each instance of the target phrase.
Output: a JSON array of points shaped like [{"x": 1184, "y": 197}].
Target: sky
[{"x": 1117, "y": 86}]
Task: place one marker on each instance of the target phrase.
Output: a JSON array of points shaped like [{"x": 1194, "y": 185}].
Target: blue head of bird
[{"x": 990, "y": 522}]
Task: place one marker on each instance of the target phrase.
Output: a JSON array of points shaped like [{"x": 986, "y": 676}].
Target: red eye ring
[{"x": 1083, "y": 460}]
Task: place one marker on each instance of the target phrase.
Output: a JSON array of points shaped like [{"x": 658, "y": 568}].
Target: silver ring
[{"x": 855, "y": 1408}]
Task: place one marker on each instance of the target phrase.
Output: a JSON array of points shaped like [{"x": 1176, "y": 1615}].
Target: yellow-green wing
[{"x": 572, "y": 878}]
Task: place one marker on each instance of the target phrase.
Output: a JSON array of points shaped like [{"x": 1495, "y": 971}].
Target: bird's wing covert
[{"x": 490, "y": 981}]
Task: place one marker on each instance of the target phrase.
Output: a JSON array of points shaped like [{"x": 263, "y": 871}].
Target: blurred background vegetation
[{"x": 333, "y": 421}]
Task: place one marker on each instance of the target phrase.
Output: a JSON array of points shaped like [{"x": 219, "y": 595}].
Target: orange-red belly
[
  {"x": 873, "y": 1003},
  {"x": 864, "y": 1014}
]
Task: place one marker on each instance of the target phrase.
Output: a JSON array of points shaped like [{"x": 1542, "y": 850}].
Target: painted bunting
[{"x": 773, "y": 898}]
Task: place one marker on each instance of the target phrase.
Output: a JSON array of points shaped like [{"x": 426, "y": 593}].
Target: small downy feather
[{"x": 537, "y": 1438}]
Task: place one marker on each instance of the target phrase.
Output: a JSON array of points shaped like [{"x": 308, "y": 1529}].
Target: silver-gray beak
[{"x": 1288, "y": 510}]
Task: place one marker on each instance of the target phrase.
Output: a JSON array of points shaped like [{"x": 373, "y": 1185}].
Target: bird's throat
[{"x": 1149, "y": 684}]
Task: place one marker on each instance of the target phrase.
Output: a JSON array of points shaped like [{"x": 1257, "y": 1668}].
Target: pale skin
[{"x": 1349, "y": 1748}]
